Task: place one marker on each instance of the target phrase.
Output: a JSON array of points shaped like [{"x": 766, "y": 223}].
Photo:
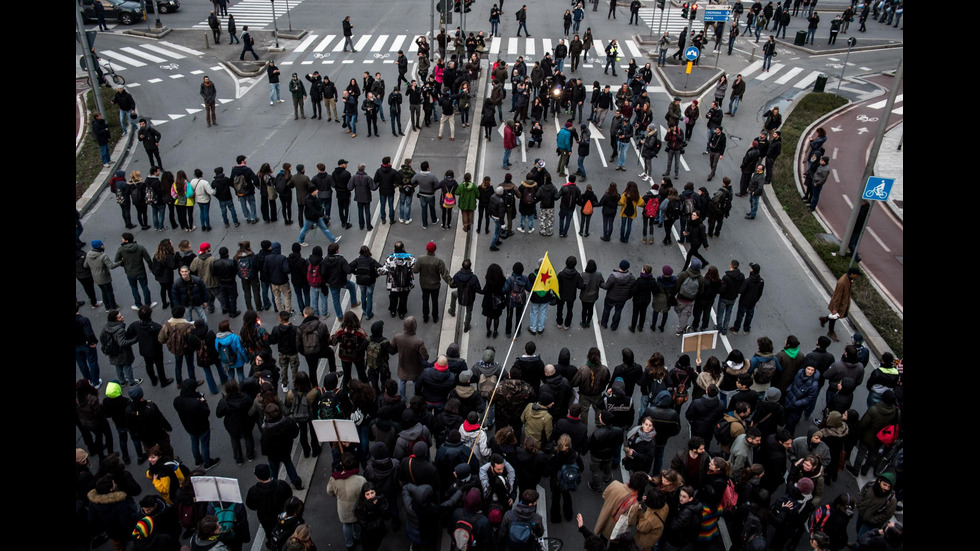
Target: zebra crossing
[
  {"x": 776, "y": 71},
  {"x": 141, "y": 55},
  {"x": 897, "y": 110},
  {"x": 257, "y": 14},
  {"x": 672, "y": 21}
]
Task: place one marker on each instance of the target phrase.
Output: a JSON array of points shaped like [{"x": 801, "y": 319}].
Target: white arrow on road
[
  {"x": 597, "y": 135},
  {"x": 836, "y": 128},
  {"x": 862, "y": 130}
]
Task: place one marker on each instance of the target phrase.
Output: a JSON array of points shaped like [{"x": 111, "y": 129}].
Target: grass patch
[
  {"x": 88, "y": 162},
  {"x": 879, "y": 313}
]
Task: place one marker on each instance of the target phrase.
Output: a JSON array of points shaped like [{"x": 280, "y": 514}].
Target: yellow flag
[{"x": 546, "y": 279}]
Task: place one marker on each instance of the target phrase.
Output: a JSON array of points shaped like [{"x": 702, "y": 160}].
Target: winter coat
[
  {"x": 703, "y": 413},
  {"x": 116, "y": 330},
  {"x": 876, "y": 418},
  {"x": 99, "y": 264},
  {"x": 616, "y": 496},
  {"x": 346, "y": 487},
  {"x": 277, "y": 437},
  {"x": 618, "y": 286},
  {"x": 802, "y": 392},
  {"x": 192, "y": 408},
  {"x": 840, "y": 302}
]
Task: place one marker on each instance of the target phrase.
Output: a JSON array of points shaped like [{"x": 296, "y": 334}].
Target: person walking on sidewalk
[
  {"x": 348, "y": 35},
  {"x": 232, "y": 30},
  {"x": 840, "y": 302},
  {"x": 248, "y": 44}
]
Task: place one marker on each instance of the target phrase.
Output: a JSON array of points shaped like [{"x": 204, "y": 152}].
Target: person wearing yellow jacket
[{"x": 630, "y": 204}]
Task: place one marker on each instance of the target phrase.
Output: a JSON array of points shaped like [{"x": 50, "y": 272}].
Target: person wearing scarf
[{"x": 346, "y": 486}]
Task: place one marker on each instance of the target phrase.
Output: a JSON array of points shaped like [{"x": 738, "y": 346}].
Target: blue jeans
[
  {"x": 766, "y": 62},
  {"x": 810, "y": 33},
  {"x": 607, "y": 226},
  {"x": 205, "y": 209},
  {"x": 179, "y": 360},
  {"x": 351, "y": 122},
  {"x": 274, "y": 92},
  {"x": 527, "y": 222},
  {"x": 104, "y": 152},
  {"x": 309, "y": 225},
  {"x": 222, "y": 377},
  {"x": 565, "y": 221},
  {"x": 266, "y": 300},
  {"x": 403, "y": 388},
  {"x": 319, "y": 297},
  {"x": 575, "y": 26},
  {"x": 428, "y": 203},
  {"x": 325, "y": 206},
  {"x": 302, "y": 294},
  {"x": 493, "y": 27},
  {"x": 225, "y": 207},
  {"x": 662, "y": 57},
  {"x": 724, "y": 314},
  {"x": 198, "y": 311},
  {"x": 506, "y": 157},
  {"x": 581, "y": 166},
  {"x": 124, "y": 118},
  {"x": 352, "y": 531},
  {"x": 364, "y": 214},
  {"x": 141, "y": 279},
  {"x": 248, "y": 207},
  {"x": 744, "y": 312},
  {"x": 816, "y": 197},
  {"x": 233, "y": 39},
  {"x": 754, "y": 204},
  {"x": 539, "y": 314},
  {"x": 290, "y": 470},
  {"x": 496, "y": 233},
  {"x": 405, "y": 206},
  {"x": 733, "y": 104},
  {"x": 367, "y": 300},
  {"x": 522, "y": 25},
  {"x": 758, "y": 32},
  {"x": 390, "y": 201},
  {"x": 561, "y": 64},
  {"x": 159, "y": 216},
  {"x": 201, "y": 447},
  {"x": 335, "y": 293},
  {"x": 608, "y": 306},
  {"x": 124, "y": 374},
  {"x": 624, "y": 228},
  {"x": 622, "y": 148},
  {"x": 87, "y": 360}
]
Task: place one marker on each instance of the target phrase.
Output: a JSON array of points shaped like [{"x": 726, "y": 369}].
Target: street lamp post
[
  {"x": 90, "y": 60},
  {"x": 275, "y": 26},
  {"x": 289, "y": 19},
  {"x": 851, "y": 41}
]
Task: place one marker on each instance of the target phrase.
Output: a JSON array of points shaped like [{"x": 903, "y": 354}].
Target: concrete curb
[
  {"x": 121, "y": 151},
  {"x": 855, "y": 316},
  {"x": 689, "y": 93},
  {"x": 233, "y": 66},
  {"x": 792, "y": 45},
  {"x": 153, "y": 33}
]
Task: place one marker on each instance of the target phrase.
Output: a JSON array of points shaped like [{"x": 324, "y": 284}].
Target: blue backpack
[
  {"x": 569, "y": 477},
  {"x": 520, "y": 537}
]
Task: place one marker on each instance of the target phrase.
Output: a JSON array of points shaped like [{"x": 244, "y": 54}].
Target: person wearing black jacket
[
  {"x": 704, "y": 412},
  {"x": 731, "y": 286},
  {"x": 749, "y": 162},
  {"x": 365, "y": 269},
  {"x": 569, "y": 279},
  {"x": 561, "y": 391},
  {"x": 772, "y": 456},
  {"x": 297, "y": 276},
  {"x": 642, "y": 294},
  {"x": 683, "y": 527},
  {"x": 335, "y": 270},
  {"x": 193, "y": 411},
  {"x": 466, "y": 285},
  {"x": 278, "y": 433},
  {"x": 151, "y": 143},
  {"x": 603, "y": 445},
  {"x": 223, "y": 193},
  {"x": 573, "y": 426},
  {"x": 267, "y": 497},
  {"x": 696, "y": 237},
  {"x": 772, "y": 153},
  {"x": 386, "y": 179},
  {"x": 316, "y": 95},
  {"x": 692, "y": 462},
  {"x": 341, "y": 177},
  {"x": 145, "y": 423},
  {"x": 716, "y": 148},
  {"x": 146, "y": 331},
  {"x": 749, "y": 296},
  {"x": 225, "y": 270},
  {"x": 233, "y": 407}
]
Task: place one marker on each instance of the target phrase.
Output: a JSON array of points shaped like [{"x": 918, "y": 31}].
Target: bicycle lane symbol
[
  {"x": 877, "y": 192},
  {"x": 864, "y": 118}
]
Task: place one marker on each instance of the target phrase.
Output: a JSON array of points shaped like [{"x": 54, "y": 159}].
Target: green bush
[{"x": 810, "y": 108}]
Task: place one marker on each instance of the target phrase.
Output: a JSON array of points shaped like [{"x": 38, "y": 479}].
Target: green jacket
[
  {"x": 131, "y": 257},
  {"x": 537, "y": 422},
  {"x": 430, "y": 269},
  {"x": 297, "y": 89},
  {"x": 467, "y": 194}
]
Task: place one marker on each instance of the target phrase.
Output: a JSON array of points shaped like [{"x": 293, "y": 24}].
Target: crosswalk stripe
[
  {"x": 397, "y": 43},
  {"x": 899, "y": 110},
  {"x": 634, "y": 49},
  {"x": 599, "y": 48},
  {"x": 323, "y": 43},
  {"x": 379, "y": 43},
  {"x": 755, "y": 66},
  {"x": 340, "y": 45},
  {"x": 880, "y": 104},
  {"x": 789, "y": 75},
  {"x": 414, "y": 46},
  {"x": 306, "y": 43},
  {"x": 774, "y": 68},
  {"x": 546, "y": 46},
  {"x": 530, "y": 47},
  {"x": 138, "y": 53},
  {"x": 495, "y": 45},
  {"x": 362, "y": 42},
  {"x": 122, "y": 58},
  {"x": 163, "y": 51},
  {"x": 512, "y": 45},
  {"x": 807, "y": 80},
  {"x": 180, "y": 48}
]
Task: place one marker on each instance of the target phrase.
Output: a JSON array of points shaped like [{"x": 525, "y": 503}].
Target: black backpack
[
  {"x": 723, "y": 432},
  {"x": 765, "y": 371},
  {"x": 110, "y": 346}
]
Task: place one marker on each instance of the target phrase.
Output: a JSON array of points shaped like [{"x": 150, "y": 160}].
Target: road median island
[
  {"x": 88, "y": 161},
  {"x": 809, "y": 109}
]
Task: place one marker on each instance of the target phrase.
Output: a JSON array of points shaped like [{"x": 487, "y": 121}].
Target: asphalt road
[{"x": 248, "y": 125}]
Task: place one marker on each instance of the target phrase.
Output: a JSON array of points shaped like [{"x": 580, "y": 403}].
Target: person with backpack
[
  {"x": 231, "y": 352},
  {"x": 286, "y": 522},
  {"x": 365, "y": 270},
  {"x": 301, "y": 403},
  {"x": 233, "y": 529},
  {"x": 690, "y": 283},
  {"x": 352, "y": 344},
  {"x": 720, "y": 207},
  {"x": 119, "y": 347},
  {"x": 521, "y": 526},
  {"x": 470, "y": 530},
  {"x": 267, "y": 498},
  {"x": 398, "y": 268},
  {"x": 233, "y": 407},
  {"x": 618, "y": 287},
  {"x": 565, "y": 467},
  {"x": 733, "y": 423},
  {"x": 248, "y": 273},
  {"x": 764, "y": 366}
]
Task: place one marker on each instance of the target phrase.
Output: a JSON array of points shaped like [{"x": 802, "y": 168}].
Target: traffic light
[
  {"x": 661, "y": 4},
  {"x": 694, "y": 12},
  {"x": 684, "y": 10}
]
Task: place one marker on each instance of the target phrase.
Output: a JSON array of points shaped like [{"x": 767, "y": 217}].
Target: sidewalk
[{"x": 891, "y": 164}]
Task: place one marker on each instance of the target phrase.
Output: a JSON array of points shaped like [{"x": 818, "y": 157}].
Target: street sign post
[
  {"x": 691, "y": 53},
  {"x": 717, "y": 14},
  {"x": 877, "y": 189}
]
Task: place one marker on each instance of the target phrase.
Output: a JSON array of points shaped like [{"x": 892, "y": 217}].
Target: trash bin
[
  {"x": 821, "y": 83},
  {"x": 800, "y": 38}
]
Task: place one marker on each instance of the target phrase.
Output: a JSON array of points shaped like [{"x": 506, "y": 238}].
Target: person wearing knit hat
[
  {"x": 431, "y": 269},
  {"x": 267, "y": 497}
]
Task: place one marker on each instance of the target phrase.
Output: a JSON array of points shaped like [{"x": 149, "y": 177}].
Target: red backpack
[
  {"x": 313, "y": 275},
  {"x": 651, "y": 208}
]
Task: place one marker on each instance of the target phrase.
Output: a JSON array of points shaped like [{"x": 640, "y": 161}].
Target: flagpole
[{"x": 500, "y": 377}]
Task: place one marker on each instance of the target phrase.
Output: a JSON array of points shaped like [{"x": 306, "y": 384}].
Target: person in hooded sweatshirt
[
  {"x": 464, "y": 392},
  {"x": 145, "y": 423},
  {"x": 206, "y": 536},
  {"x": 666, "y": 423},
  {"x": 411, "y": 353},
  {"x": 435, "y": 383},
  {"x": 569, "y": 282},
  {"x": 278, "y": 433},
  {"x": 537, "y": 419},
  {"x": 812, "y": 443},
  {"x": 466, "y": 285},
  {"x": 231, "y": 351},
  {"x": 346, "y": 486},
  {"x": 592, "y": 281},
  {"x": 114, "y": 336},
  {"x": 194, "y": 415},
  {"x": 233, "y": 408},
  {"x": 382, "y": 473},
  {"x": 561, "y": 390},
  {"x": 452, "y": 453},
  {"x": 421, "y": 515},
  {"x": 267, "y": 497},
  {"x": 412, "y": 433},
  {"x": 147, "y": 536},
  {"x": 791, "y": 361},
  {"x": 769, "y": 412},
  {"x": 471, "y": 433},
  {"x": 371, "y": 511},
  {"x": 846, "y": 372},
  {"x": 470, "y": 512}
]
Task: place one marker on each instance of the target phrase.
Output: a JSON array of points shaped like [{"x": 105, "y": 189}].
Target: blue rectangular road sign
[
  {"x": 878, "y": 189},
  {"x": 713, "y": 14}
]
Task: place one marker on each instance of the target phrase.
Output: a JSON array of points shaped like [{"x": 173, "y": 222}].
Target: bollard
[
  {"x": 752, "y": 57},
  {"x": 207, "y": 42}
]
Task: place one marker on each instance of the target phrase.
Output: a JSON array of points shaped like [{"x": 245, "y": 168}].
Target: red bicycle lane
[{"x": 850, "y": 135}]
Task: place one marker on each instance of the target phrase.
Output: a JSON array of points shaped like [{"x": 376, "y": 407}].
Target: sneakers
[
  {"x": 304, "y": 244},
  {"x": 137, "y": 382},
  {"x": 733, "y": 331},
  {"x": 338, "y": 238},
  {"x": 154, "y": 305},
  {"x": 285, "y": 388},
  {"x": 211, "y": 464},
  {"x": 134, "y": 307},
  {"x": 98, "y": 384}
]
